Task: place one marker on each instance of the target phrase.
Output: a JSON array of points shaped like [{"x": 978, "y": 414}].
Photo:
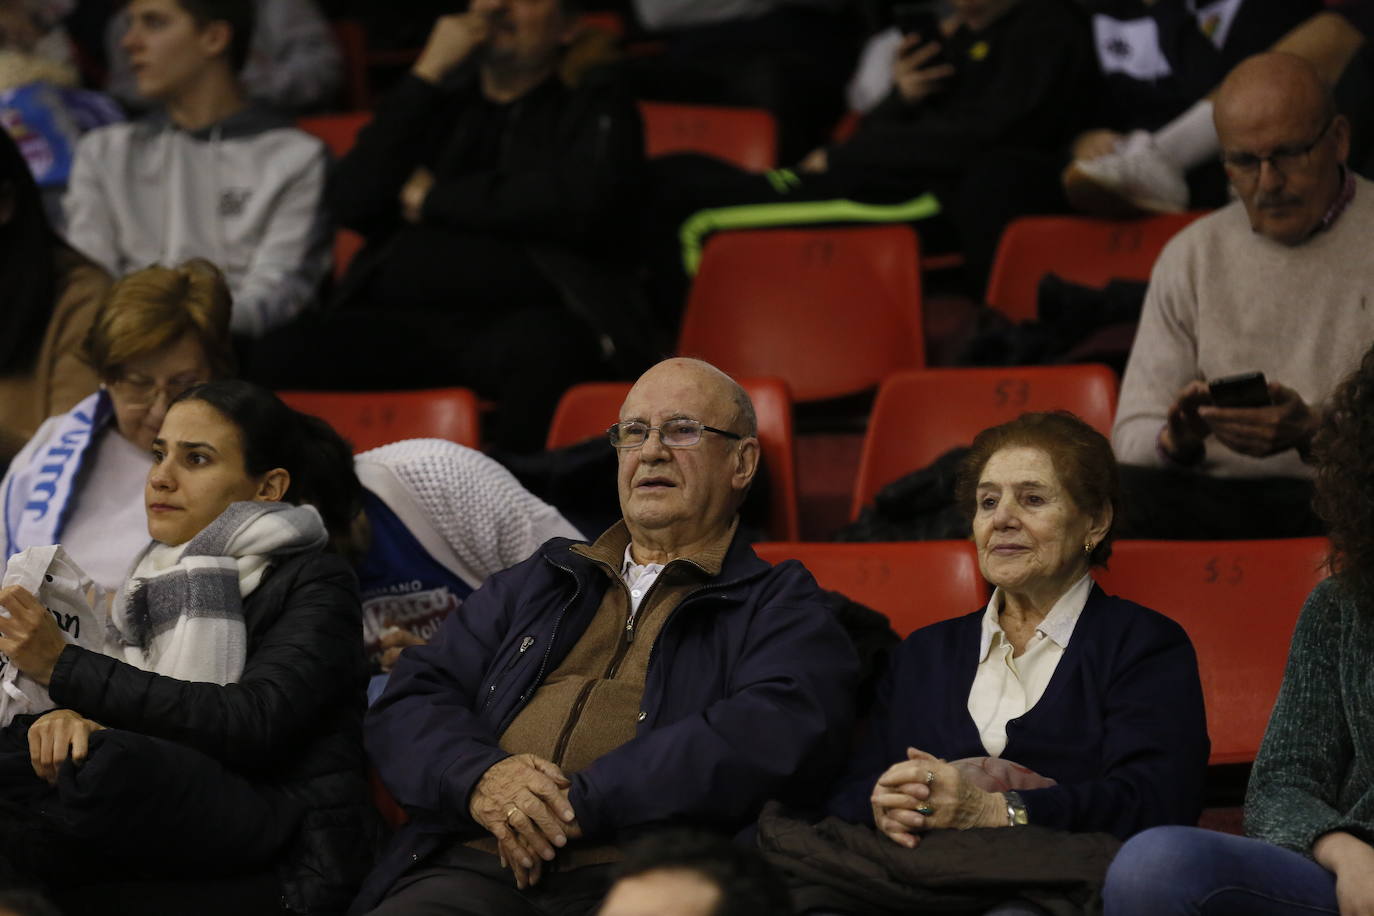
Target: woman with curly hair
[{"x": 1309, "y": 809}]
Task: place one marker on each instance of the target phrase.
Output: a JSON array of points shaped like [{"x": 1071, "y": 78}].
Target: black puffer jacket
[{"x": 292, "y": 723}]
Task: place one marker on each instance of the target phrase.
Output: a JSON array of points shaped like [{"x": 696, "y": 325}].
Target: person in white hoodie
[{"x": 210, "y": 175}]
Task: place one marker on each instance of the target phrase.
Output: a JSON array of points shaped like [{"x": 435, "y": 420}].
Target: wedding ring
[{"x": 510, "y": 812}]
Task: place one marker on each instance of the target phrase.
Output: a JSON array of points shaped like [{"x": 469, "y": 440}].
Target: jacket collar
[{"x": 731, "y": 562}]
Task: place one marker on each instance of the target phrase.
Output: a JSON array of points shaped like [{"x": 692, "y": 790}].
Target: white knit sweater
[{"x": 468, "y": 511}]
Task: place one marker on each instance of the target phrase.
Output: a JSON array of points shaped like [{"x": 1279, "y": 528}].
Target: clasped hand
[
  {"x": 924, "y": 793},
  {"x": 523, "y": 802},
  {"x": 29, "y": 635}
]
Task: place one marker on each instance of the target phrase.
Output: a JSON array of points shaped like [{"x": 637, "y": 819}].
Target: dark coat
[
  {"x": 292, "y": 724},
  {"x": 568, "y": 175},
  {"x": 748, "y": 696},
  {"x": 1120, "y": 726}
]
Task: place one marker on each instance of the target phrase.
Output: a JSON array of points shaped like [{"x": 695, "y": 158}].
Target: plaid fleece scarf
[{"x": 180, "y": 613}]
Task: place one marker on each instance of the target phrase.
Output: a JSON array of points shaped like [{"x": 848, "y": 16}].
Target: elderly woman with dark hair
[
  {"x": 1309, "y": 807},
  {"x": 1098, "y": 696}
]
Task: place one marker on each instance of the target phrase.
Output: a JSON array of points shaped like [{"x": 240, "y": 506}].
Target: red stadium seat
[
  {"x": 746, "y": 137},
  {"x": 1239, "y": 602},
  {"x": 1077, "y": 248},
  {"x": 368, "y": 419},
  {"x": 914, "y": 583},
  {"x": 338, "y": 131},
  {"x": 832, "y": 311},
  {"x": 921, "y": 414},
  {"x": 585, "y": 411},
  {"x": 352, "y": 41}
]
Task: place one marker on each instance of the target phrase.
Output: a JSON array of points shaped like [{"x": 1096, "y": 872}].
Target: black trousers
[
  {"x": 1181, "y": 505},
  {"x": 144, "y": 826},
  {"x": 465, "y": 882}
]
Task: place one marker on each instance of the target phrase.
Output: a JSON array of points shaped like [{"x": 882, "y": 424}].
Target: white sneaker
[{"x": 1134, "y": 178}]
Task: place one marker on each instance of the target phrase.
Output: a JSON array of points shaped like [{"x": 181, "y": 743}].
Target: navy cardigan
[{"x": 1120, "y": 727}]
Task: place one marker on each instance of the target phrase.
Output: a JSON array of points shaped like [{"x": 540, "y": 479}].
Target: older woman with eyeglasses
[{"x": 79, "y": 480}]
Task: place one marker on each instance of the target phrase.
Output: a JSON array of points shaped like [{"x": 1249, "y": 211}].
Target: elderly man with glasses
[
  {"x": 663, "y": 674},
  {"x": 1277, "y": 283}
]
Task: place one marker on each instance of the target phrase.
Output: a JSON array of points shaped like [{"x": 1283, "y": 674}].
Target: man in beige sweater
[{"x": 1277, "y": 282}]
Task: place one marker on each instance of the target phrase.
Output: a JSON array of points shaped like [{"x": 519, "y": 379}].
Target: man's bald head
[
  {"x": 1283, "y": 144},
  {"x": 678, "y": 499},
  {"x": 746, "y": 422},
  {"x": 1270, "y": 86}
]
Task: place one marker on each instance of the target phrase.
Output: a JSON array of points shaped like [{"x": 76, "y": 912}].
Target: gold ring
[
  {"x": 930, "y": 776},
  {"x": 510, "y": 812}
]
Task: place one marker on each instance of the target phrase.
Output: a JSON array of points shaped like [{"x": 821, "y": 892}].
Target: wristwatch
[{"x": 1017, "y": 815}]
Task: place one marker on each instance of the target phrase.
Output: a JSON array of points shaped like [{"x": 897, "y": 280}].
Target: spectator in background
[
  {"x": 1161, "y": 60},
  {"x": 1277, "y": 282},
  {"x": 790, "y": 57},
  {"x": 294, "y": 64},
  {"x": 1010, "y": 75},
  {"x": 495, "y": 203},
  {"x": 51, "y": 296},
  {"x": 35, "y": 27},
  {"x": 210, "y": 176},
  {"x": 692, "y": 873},
  {"x": 79, "y": 480}
]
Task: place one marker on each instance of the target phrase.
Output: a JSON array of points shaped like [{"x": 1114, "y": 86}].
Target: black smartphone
[
  {"x": 919, "y": 19},
  {"x": 1248, "y": 389}
]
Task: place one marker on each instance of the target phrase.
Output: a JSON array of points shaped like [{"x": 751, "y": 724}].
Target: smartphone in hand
[
  {"x": 1247, "y": 389},
  {"x": 920, "y": 18}
]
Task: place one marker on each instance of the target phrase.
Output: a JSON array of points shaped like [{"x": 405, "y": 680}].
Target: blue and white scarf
[{"x": 38, "y": 498}]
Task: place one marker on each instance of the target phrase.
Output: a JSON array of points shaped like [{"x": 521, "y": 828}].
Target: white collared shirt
[
  {"x": 1006, "y": 687},
  {"x": 638, "y": 578}
]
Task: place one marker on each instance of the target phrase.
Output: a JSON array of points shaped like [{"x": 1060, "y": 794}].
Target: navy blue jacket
[
  {"x": 748, "y": 696},
  {"x": 1120, "y": 726}
]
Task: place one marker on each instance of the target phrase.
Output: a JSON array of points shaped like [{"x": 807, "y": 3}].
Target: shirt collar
[
  {"x": 629, "y": 566},
  {"x": 1343, "y": 200},
  {"x": 1058, "y": 624}
]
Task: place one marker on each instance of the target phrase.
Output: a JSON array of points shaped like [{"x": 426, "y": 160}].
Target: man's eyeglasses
[
  {"x": 679, "y": 433},
  {"x": 143, "y": 392},
  {"x": 1282, "y": 158}
]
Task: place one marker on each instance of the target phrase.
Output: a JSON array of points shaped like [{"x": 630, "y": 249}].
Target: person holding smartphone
[
  {"x": 998, "y": 75},
  {"x": 1275, "y": 283}
]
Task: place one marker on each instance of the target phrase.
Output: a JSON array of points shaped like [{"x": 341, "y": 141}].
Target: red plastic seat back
[
  {"x": 585, "y": 411},
  {"x": 831, "y": 311},
  {"x": 915, "y": 583},
  {"x": 919, "y": 415},
  {"x": 1239, "y": 602},
  {"x": 1079, "y": 249},
  {"x": 368, "y": 419},
  {"x": 746, "y": 137},
  {"x": 338, "y": 131}
]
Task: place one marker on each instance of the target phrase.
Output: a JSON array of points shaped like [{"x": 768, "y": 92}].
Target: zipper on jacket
[
  {"x": 621, "y": 650},
  {"x": 525, "y": 644},
  {"x": 553, "y": 633},
  {"x": 565, "y": 736}
]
